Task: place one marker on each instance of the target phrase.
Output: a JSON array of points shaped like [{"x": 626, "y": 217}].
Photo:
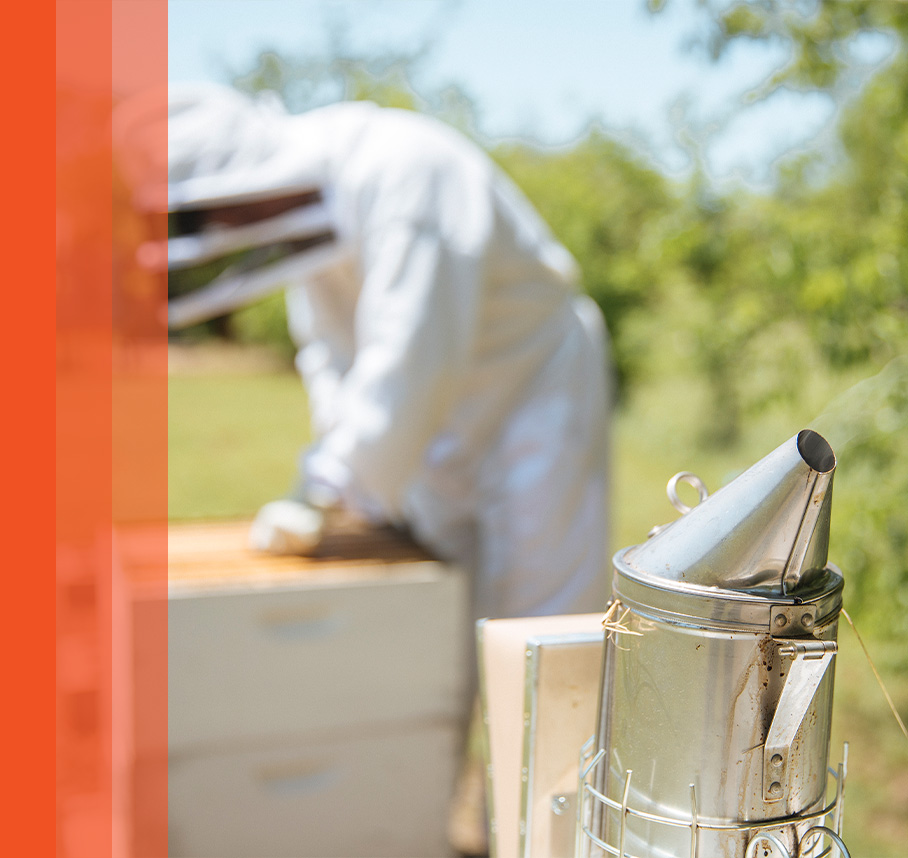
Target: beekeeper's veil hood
[
  {"x": 227, "y": 154},
  {"x": 226, "y": 147},
  {"x": 222, "y": 147}
]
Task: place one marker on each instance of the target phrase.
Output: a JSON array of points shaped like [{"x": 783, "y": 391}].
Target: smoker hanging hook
[
  {"x": 671, "y": 490},
  {"x": 692, "y": 480}
]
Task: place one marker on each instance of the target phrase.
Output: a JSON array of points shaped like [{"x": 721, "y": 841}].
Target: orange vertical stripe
[
  {"x": 28, "y": 415},
  {"x": 140, "y": 439},
  {"x": 83, "y": 403}
]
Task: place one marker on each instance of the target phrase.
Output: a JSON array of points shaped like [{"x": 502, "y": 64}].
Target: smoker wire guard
[
  {"x": 763, "y": 829},
  {"x": 736, "y": 611}
]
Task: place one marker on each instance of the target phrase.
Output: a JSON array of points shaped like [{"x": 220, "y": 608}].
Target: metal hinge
[{"x": 810, "y": 660}]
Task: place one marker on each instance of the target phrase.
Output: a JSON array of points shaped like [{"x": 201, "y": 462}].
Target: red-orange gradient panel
[{"x": 111, "y": 448}]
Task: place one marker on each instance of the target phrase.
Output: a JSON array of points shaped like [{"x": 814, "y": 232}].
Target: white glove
[{"x": 287, "y": 527}]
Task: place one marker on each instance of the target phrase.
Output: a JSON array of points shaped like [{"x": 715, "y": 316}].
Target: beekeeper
[{"x": 457, "y": 380}]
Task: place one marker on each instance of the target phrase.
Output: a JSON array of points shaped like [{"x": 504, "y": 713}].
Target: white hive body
[{"x": 717, "y": 678}]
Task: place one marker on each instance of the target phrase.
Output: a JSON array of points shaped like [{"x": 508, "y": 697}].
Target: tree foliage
[{"x": 828, "y": 260}]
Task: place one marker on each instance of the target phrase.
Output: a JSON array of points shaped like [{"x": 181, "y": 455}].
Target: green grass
[{"x": 234, "y": 438}]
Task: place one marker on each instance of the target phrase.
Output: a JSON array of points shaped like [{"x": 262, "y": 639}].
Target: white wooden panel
[
  {"x": 503, "y": 647},
  {"x": 287, "y": 658},
  {"x": 385, "y": 794}
]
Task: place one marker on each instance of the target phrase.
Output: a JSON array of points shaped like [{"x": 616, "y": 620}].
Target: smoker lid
[{"x": 765, "y": 534}]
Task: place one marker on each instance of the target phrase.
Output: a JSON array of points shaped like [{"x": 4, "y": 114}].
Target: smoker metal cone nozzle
[{"x": 766, "y": 532}]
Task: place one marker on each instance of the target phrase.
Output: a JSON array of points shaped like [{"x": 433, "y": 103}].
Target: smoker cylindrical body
[
  {"x": 717, "y": 679},
  {"x": 689, "y": 703}
]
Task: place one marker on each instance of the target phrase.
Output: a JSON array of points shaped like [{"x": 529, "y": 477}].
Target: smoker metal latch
[{"x": 810, "y": 660}]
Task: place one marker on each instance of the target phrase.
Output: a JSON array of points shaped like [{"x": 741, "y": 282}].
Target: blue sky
[{"x": 538, "y": 68}]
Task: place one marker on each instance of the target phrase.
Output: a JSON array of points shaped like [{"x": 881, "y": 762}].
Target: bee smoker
[{"x": 712, "y": 738}]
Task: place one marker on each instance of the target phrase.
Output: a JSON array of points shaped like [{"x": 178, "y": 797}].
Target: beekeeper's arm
[{"x": 414, "y": 330}]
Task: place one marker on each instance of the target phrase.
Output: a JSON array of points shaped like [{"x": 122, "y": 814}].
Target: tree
[{"x": 834, "y": 241}]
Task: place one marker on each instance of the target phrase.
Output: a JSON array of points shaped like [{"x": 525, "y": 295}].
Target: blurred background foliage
[
  {"x": 737, "y": 304},
  {"x": 738, "y": 316}
]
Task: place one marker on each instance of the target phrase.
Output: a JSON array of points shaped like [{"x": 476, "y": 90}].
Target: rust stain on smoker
[{"x": 741, "y": 686}]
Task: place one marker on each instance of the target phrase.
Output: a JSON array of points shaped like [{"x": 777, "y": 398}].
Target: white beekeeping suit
[{"x": 456, "y": 377}]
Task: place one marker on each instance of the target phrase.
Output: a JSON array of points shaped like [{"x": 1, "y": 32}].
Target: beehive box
[{"x": 315, "y": 705}]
